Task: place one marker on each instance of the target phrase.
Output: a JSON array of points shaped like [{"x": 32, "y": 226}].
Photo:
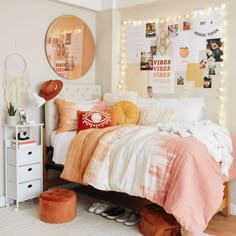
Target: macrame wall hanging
[{"x": 15, "y": 81}]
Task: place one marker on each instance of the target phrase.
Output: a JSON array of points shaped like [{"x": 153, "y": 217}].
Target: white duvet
[{"x": 216, "y": 138}]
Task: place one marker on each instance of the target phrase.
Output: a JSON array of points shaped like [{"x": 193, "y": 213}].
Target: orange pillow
[
  {"x": 126, "y": 112},
  {"x": 95, "y": 119},
  {"x": 68, "y": 120}
]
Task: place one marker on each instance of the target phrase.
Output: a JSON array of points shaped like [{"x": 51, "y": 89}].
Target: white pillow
[
  {"x": 172, "y": 109},
  {"x": 113, "y": 98},
  {"x": 144, "y": 103}
]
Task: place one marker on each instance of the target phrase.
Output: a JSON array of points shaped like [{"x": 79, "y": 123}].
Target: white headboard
[{"x": 70, "y": 92}]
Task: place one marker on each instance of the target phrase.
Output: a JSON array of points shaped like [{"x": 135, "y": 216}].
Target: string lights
[{"x": 221, "y": 117}]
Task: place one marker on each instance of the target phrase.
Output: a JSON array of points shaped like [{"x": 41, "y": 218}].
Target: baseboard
[
  {"x": 233, "y": 209},
  {"x": 2, "y": 201}
]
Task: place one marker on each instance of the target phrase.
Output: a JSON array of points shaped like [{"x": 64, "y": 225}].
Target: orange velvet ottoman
[{"x": 57, "y": 206}]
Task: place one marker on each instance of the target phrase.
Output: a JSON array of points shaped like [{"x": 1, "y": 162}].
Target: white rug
[{"x": 25, "y": 222}]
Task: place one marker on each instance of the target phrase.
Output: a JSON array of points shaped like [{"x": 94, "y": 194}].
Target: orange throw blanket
[{"x": 83, "y": 155}]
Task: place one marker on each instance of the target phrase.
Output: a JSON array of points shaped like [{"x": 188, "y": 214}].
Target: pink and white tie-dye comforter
[{"x": 174, "y": 172}]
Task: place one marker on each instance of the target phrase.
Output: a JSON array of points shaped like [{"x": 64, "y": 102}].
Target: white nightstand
[{"x": 23, "y": 164}]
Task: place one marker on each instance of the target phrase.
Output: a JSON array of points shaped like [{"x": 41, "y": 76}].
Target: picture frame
[{"x": 22, "y": 115}]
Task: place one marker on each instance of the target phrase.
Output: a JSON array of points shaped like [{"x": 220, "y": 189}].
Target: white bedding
[
  {"x": 216, "y": 138},
  {"x": 61, "y": 142}
]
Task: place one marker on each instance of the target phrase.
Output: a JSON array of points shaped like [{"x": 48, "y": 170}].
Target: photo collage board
[{"x": 187, "y": 51}]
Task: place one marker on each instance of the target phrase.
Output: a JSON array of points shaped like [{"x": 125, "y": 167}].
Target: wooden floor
[{"x": 222, "y": 226}]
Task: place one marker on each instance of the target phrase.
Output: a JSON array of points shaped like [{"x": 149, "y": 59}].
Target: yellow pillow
[{"x": 126, "y": 112}]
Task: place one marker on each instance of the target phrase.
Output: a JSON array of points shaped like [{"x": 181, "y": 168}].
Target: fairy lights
[{"x": 221, "y": 90}]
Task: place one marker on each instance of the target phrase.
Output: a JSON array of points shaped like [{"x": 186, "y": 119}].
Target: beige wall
[{"x": 23, "y": 27}]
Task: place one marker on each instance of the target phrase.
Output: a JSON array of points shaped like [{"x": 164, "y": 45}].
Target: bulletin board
[{"x": 175, "y": 55}]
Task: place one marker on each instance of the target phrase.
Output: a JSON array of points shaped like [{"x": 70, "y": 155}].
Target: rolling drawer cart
[{"x": 23, "y": 163}]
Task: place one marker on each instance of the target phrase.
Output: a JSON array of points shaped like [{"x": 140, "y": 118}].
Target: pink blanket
[{"x": 176, "y": 173}]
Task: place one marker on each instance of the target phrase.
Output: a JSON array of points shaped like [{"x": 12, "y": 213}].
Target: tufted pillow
[
  {"x": 95, "y": 119},
  {"x": 126, "y": 112},
  {"x": 68, "y": 119}
]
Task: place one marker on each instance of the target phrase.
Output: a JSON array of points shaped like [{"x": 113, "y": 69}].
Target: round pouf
[{"x": 57, "y": 206}]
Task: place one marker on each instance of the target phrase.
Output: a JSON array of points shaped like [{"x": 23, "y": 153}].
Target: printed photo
[
  {"x": 207, "y": 82},
  {"x": 151, "y": 30},
  {"x": 180, "y": 80},
  {"x": 173, "y": 30},
  {"x": 180, "y": 77},
  {"x": 153, "y": 47},
  {"x": 186, "y": 25},
  {"x": 146, "y": 61},
  {"x": 203, "y": 63},
  {"x": 214, "y": 50},
  {"x": 149, "y": 92},
  {"x": 212, "y": 69}
]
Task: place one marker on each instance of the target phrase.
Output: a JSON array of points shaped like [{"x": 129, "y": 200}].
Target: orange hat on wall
[{"x": 50, "y": 89}]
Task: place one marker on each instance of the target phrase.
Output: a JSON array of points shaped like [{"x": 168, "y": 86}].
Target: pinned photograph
[
  {"x": 146, "y": 61},
  {"x": 203, "y": 63},
  {"x": 207, "y": 82},
  {"x": 214, "y": 50},
  {"x": 186, "y": 25},
  {"x": 149, "y": 92},
  {"x": 173, "y": 30},
  {"x": 212, "y": 69},
  {"x": 153, "y": 47},
  {"x": 151, "y": 30},
  {"x": 180, "y": 77}
]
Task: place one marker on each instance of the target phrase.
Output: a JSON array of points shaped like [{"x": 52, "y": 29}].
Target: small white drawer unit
[{"x": 23, "y": 163}]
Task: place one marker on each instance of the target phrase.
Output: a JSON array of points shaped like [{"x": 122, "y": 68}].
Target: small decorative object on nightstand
[
  {"x": 23, "y": 162},
  {"x": 11, "y": 111}
]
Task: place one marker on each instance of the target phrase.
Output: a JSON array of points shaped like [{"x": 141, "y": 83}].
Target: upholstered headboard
[{"x": 69, "y": 92}]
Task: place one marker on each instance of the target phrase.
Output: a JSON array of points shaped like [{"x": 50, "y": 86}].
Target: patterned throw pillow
[
  {"x": 95, "y": 119},
  {"x": 68, "y": 120}
]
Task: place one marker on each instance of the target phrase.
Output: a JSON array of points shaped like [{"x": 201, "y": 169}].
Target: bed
[{"x": 163, "y": 173}]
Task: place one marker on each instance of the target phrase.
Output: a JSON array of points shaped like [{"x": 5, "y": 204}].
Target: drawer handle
[
  {"x": 30, "y": 185},
  {"x": 29, "y": 169},
  {"x": 29, "y": 153}
]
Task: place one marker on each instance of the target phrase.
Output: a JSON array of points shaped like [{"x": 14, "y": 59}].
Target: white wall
[
  {"x": 107, "y": 49},
  {"x": 23, "y": 27},
  {"x": 103, "y": 49}
]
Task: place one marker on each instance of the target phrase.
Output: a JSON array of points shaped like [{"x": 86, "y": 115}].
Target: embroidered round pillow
[{"x": 126, "y": 112}]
